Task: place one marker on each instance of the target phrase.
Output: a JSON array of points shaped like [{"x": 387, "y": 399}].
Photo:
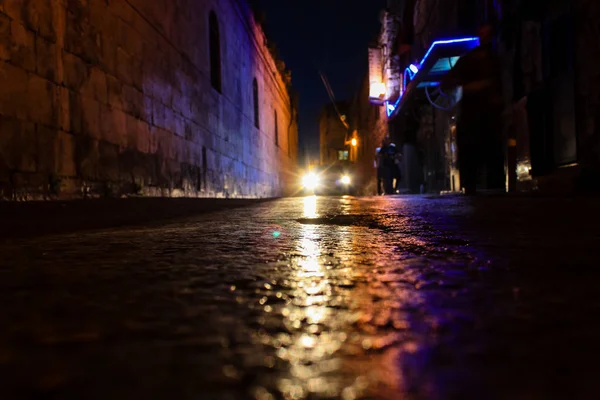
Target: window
[
  {"x": 343, "y": 155},
  {"x": 276, "y": 128},
  {"x": 215, "y": 51},
  {"x": 256, "y": 109}
]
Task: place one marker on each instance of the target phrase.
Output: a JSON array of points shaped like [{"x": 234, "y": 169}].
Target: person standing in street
[
  {"x": 380, "y": 172},
  {"x": 397, "y": 171},
  {"x": 385, "y": 166},
  {"x": 479, "y": 133}
]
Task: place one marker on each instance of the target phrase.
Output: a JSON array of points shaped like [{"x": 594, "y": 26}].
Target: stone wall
[{"x": 113, "y": 97}]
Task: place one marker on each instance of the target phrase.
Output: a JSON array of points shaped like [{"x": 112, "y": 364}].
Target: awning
[{"x": 439, "y": 59}]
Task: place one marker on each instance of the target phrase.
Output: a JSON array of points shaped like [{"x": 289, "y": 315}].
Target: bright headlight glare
[
  {"x": 310, "y": 181},
  {"x": 346, "y": 180}
]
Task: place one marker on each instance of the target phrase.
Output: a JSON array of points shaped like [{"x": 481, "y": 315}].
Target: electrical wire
[{"x": 332, "y": 98}]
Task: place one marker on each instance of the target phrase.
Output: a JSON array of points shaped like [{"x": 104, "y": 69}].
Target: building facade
[
  {"x": 333, "y": 134},
  {"x": 135, "y": 97},
  {"x": 549, "y": 51},
  {"x": 369, "y": 126}
]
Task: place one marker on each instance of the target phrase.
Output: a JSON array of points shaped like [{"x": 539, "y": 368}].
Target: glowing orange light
[{"x": 377, "y": 90}]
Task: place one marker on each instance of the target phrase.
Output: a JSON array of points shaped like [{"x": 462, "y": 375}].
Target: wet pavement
[{"x": 372, "y": 298}]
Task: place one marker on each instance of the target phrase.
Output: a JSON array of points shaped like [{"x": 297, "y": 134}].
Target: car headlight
[
  {"x": 310, "y": 181},
  {"x": 346, "y": 180}
]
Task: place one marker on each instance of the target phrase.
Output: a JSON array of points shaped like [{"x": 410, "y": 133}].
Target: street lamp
[{"x": 354, "y": 142}]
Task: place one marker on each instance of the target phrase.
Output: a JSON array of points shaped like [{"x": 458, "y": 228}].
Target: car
[{"x": 335, "y": 179}]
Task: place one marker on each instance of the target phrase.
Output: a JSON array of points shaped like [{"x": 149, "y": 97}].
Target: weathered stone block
[
  {"x": 138, "y": 73},
  {"x": 36, "y": 15},
  {"x": 41, "y": 100},
  {"x": 46, "y": 59},
  {"x": 23, "y": 47},
  {"x": 13, "y": 96},
  {"x": 113, "y": 125},
  {"x": 75, "y": 71},
  {"x": 154, "y": 139},
  {"x": 163, "y": 91},
  {"x": 133, "y": 101},
  {"x": 130, "y": 132},
  {"x": 124, "y": 67},
  {"x": 82, "y": 39},
  {"x": 109, "y": 53},
  {"x": 87, "y": 157},
  {"x": 64, "y": 109},
  {"x": 143, "y": 137},
  {"x": 158, "y": 114},
  {"x": 148, "y": 110},
  {"x": 169, "y": 120},
  {"x": 188, "y": 131},
  {"x": 131, "y": 40},
  {"x": 122, "y": 10},
  {"x": 108, "y": 161},
  {"x": 179, "y": 102},
  {"x": 75, "y": 109},
  {"x": 39, "y": 17},
  {"x": 5, "y": 37},
  {"x": 164, "y": 142},
  {"x": 95, "y": 85},
  {"x": 91, "y": 117},
  {"x": 17, "y": 144},
  {"x": 115, "y": 92},
  {"x": 65, "y": 154},
  {"x": 99, "y": 17},
  {"x": 46, "y": 139}
]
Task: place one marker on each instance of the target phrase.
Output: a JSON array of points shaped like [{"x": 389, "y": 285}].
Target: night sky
[{"x": 327, "y": 35}]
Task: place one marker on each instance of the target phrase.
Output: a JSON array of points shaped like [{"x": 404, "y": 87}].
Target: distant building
[
  {"x": 138, "y": 97},
  {"x": 334, "y": 145}
]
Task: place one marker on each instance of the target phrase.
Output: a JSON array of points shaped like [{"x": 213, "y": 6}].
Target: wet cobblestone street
[{"x": 370, "y": 298}]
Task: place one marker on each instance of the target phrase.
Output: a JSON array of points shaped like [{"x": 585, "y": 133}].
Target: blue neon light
[
  {"x": 450, "y": 41},
  {"x": 428, "y": 84},
  {"x": 390, "y": 108},
  {"x": 412, "y": 69}
]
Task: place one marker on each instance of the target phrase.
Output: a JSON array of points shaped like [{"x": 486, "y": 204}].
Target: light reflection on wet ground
[{"x": 302, "y": 298}]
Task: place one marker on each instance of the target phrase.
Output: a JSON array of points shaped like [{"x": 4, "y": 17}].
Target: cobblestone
[{"x": 371, "y": 298}]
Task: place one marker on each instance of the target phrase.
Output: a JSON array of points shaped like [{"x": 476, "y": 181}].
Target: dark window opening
[
  {"x": 215, "y": 51},
  {"x": 255, "y": 99}
]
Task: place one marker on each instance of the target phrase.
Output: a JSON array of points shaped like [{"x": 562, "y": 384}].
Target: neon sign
[{"x": 411, "y": 71}]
